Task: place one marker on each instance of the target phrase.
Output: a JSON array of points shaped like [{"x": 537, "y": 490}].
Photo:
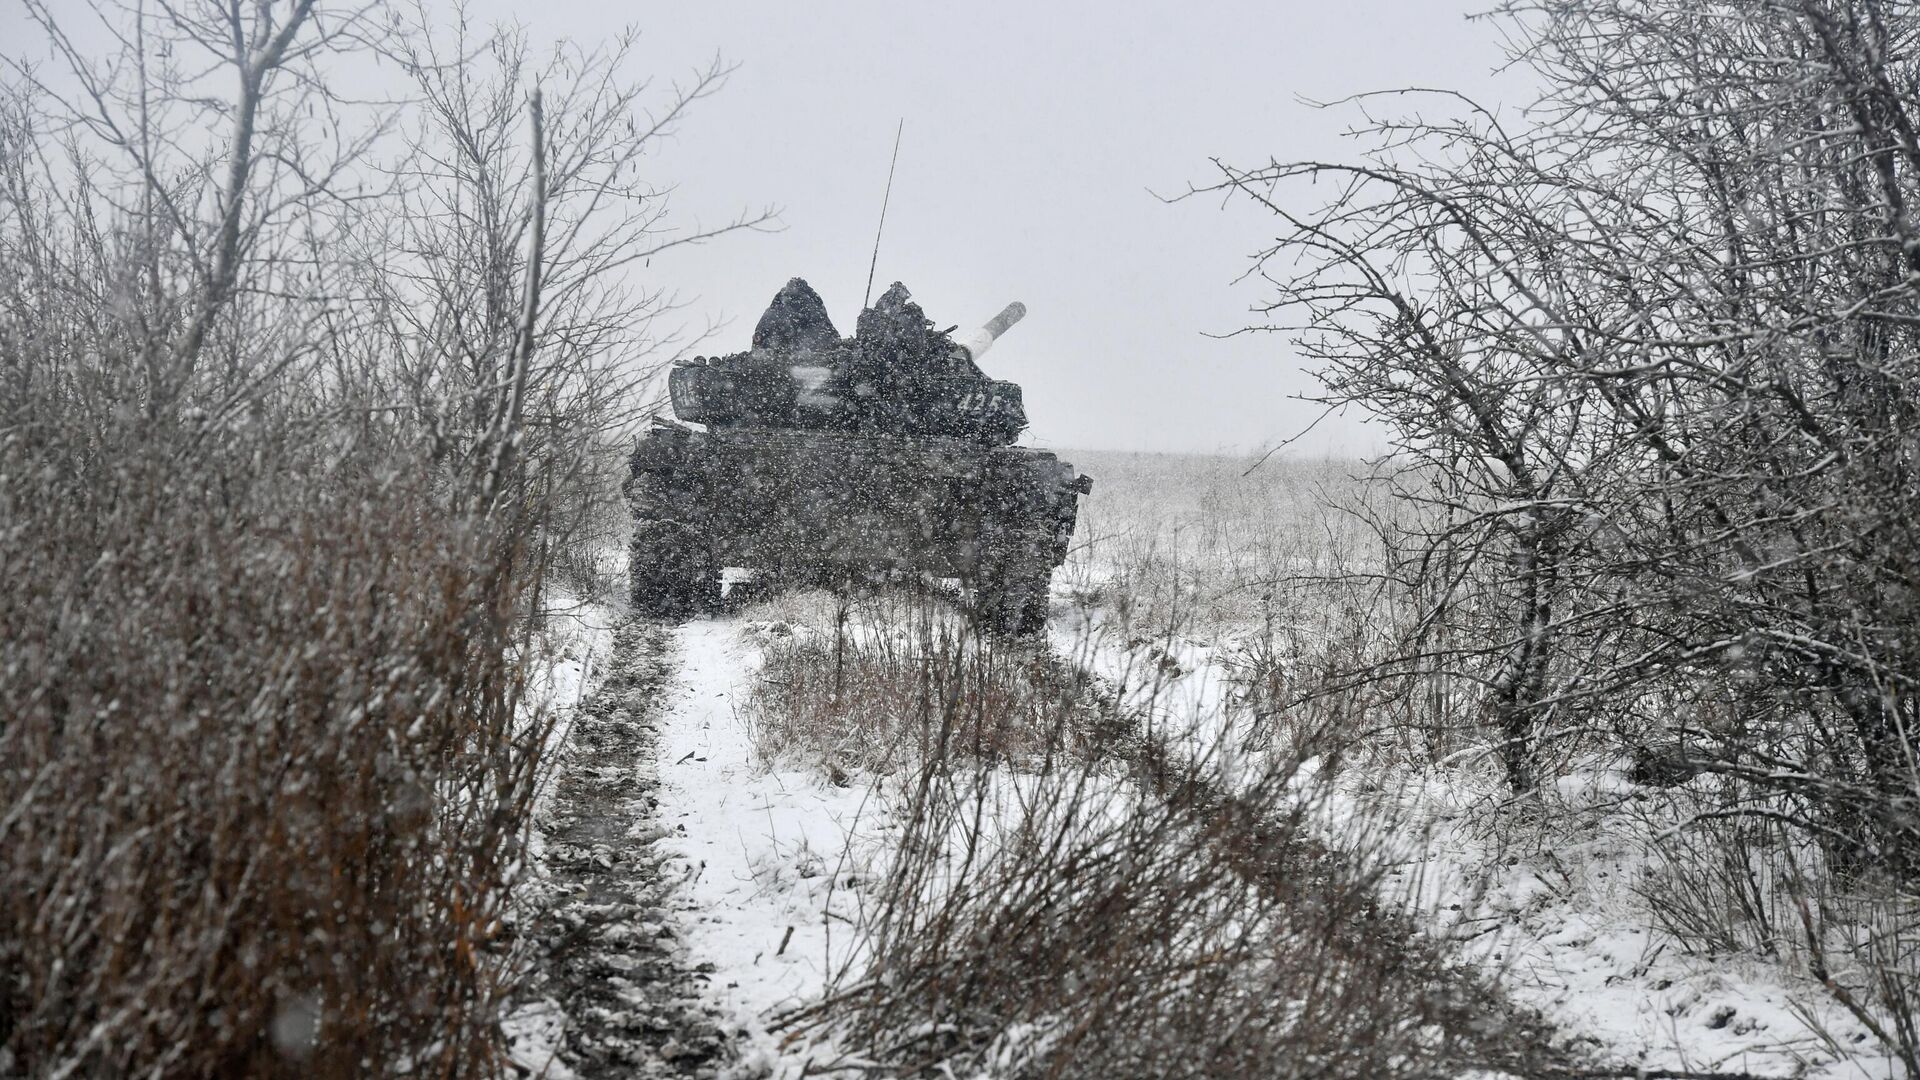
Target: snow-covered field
[
  {"x": 772, "y": 861},
  {"x": 1553, "y": 899},
  {"x": 1552, "y": 895}
]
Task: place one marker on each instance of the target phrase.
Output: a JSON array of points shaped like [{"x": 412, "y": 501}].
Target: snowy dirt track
[
  {"x": 735, "y": 884},
  {"x": 622, "y": 999},
  {"x": 686, "y": 891}
]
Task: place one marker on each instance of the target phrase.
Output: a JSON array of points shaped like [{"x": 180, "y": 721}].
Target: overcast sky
[{"x": 1037, "y": 135}]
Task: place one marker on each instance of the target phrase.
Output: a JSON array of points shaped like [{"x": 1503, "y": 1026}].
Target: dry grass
[
  {"x": 878, "y": 683},
  {"x": 1071, "y": 897},
  {"x": 1095, "y": 931}
]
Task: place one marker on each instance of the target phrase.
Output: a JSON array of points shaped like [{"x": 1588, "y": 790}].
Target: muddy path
[{"x": 611, "y": 959}]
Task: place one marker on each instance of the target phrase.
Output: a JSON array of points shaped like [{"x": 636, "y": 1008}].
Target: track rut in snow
[{"x": 611, "y": 960}]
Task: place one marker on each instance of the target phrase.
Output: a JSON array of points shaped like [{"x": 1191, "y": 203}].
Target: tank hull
[
  {"x": 770, "y": 498},
  {"x": 814, "y": 504}
]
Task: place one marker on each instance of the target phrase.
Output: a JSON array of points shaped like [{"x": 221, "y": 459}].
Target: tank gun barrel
[{"x": 977, "y": 343}]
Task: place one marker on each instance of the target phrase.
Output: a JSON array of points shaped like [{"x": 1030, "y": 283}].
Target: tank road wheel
[
  {"x": 1014, "y": 601},
  {"x": 671, "y": 570}
]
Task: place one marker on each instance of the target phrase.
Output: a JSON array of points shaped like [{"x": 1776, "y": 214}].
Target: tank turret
[{"x": 895, "y": 375}]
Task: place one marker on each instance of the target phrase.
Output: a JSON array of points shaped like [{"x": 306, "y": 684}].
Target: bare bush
[
  {"x": 264, "y": 777},
  {"x": 1643, "y": 353},
  {"x": 1722, "y": 887},
  {"x": 298, "y": 408},
  {"x": 1647, "y": 353}
]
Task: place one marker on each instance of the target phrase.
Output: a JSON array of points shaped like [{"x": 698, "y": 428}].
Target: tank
[{"x": 824, "y": 459}]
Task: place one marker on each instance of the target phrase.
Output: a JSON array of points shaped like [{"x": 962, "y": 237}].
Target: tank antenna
[{"x": 884, "y": 199}]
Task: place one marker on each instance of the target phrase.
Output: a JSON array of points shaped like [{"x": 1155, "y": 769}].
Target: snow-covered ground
[
  {"x": 1560, "y": 909},
  {"x": 770, "y": 862},
  {"x": 768, "y": 867},
  {"x": 573, "y": 648},
  {"x": 1552, "y": 902}
]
